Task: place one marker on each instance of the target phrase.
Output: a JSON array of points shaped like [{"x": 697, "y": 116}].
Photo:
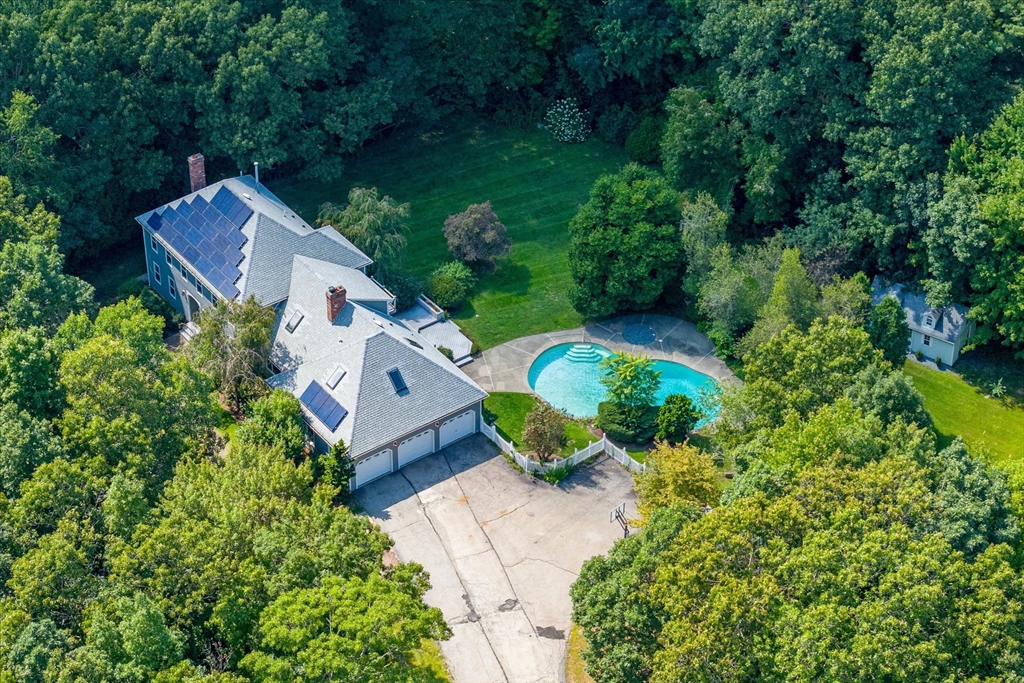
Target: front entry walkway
[{"x": 504, "y": 367}]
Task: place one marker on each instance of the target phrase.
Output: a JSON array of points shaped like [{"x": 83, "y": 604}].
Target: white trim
[
  {"x": 927, "y": 340},
  {"x": 156, "y": 273}
]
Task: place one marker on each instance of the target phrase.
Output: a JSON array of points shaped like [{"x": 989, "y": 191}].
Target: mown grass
[
  {"x": 534, "y": 184},
  {"x": 575, "y": 669},
  {"x": 429, "y": 663},
  {"x": 507, "y": 411},
  {"x": 959, "y": 409}
]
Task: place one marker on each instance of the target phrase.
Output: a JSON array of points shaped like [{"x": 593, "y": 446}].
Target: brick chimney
[
  {"x": 197, "y": 171},
  {"x": 336, "y": 297}
]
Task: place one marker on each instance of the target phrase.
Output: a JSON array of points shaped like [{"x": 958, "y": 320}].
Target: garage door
[
  {"x": 415, "y": 447},
  {"x": 455, "y": 428},
  {"x": 376, "y": 465}
]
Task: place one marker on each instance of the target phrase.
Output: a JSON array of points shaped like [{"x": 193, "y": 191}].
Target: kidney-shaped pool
[{"x": 568, "y": 376}]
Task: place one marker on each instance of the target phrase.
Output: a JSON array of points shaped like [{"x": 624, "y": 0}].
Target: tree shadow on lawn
[{"x": 508, "y": 278}]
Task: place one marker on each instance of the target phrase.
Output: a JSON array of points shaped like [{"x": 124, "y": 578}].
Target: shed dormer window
[{"x": 929, "y": 320}]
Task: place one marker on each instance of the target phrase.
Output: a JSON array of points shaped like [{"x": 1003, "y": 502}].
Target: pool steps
[{"x": 583, "y": 353}]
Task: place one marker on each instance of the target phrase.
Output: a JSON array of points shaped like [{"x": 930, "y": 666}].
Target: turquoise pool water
[{"x": 568, "y": 377}]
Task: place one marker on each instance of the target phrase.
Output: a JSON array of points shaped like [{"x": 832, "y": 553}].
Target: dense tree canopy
[
  {"x": 625, "y": 248},
  {"x": 847, "y": 543}
]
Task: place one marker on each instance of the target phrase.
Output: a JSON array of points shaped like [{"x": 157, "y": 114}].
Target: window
[
  {"x": 335, "y": 378},
  {"x": 170, "y": 286},
  {"x": 929, "y": 321},
  {"x": 199, "y": 287},
  {"x": 152, "y": 242},
  {"x": 156, "y": 272},
  {"x": 170, "y": 259},
  {"x": 398, "y": 382},
  {"x": 294, "y": 321},
  {"x": 927, "y": 340}
]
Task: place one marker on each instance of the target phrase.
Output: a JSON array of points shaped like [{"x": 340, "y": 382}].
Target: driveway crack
[
  {"x": 504, "y": 569},
  {"x": 455, "y": 568}
]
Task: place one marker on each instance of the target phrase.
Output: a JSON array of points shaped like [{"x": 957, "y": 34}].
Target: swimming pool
[{"x": 568, "y": 377}]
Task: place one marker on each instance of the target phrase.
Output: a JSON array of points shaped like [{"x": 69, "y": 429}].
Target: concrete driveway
[{"x": 502, "y": 549}]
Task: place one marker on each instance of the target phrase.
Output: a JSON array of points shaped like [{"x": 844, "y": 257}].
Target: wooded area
[{"x": 783, "y": 150}]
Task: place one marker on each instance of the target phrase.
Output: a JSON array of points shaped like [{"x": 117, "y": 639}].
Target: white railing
[{"x": 595, "y": 448}]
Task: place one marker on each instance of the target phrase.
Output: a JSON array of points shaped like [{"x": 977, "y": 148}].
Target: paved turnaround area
[{"x": 502, "y": 549}]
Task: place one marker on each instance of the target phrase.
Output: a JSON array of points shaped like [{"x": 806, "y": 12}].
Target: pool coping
[{"x": 505, "y": 367}]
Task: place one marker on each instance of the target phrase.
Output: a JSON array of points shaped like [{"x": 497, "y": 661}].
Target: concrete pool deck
[{"x": 505, "y": 367}]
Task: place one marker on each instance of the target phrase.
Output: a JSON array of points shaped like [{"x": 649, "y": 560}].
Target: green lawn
[
  {"x": 535, "y": 185},
  {"x": 507, "y": 411},
  {"x": 960, "y": 409}
]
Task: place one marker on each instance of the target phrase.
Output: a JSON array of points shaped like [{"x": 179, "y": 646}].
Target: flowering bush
[{"x": 565, "y": 121}]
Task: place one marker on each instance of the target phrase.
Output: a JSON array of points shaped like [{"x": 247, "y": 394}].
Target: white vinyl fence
[{"x": 595, "y": 448}]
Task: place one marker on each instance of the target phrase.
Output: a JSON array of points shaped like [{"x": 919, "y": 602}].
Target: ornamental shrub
[
  {"x": 643, "y": 145},
  {"x": 450, "y": 284},
  {"x": 624, "y": 424},
  {"x": 405, "y": 287},
  {"x": 676, "y": 418},
  {"x": 565, "y": 121}
]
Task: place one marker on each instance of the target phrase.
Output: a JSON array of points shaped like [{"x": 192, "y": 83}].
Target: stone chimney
[
  {"x": 197, "y": 171},
  {"x": 336, "y": 298}
]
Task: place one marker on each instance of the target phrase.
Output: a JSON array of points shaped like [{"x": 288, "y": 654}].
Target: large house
[
  {"x": 363, "y": 376},
  {"x": 938, "y": 333}
]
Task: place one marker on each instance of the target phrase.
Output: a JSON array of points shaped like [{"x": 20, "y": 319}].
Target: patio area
[{"x": 505, "y": 367}]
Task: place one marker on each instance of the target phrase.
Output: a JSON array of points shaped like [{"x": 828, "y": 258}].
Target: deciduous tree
[
  {"x": 375, "y": 225},
  {"x": 677, "y": 475},
  {"x": 476, "y": 235},
  {"x": 624, "y": 243},
  {"x": 544, "y": 430},
  {"x": 888, "y": 331}
]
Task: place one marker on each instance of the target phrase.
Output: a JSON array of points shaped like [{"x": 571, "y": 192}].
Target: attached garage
[
  {"x": 372, "y": 467},
  {"x": 415, "y": 447},
  {"x": 454, "y": 428}
]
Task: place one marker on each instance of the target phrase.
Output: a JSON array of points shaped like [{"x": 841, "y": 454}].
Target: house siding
[
  {"x": 158, "y": 258},
  {"x": 938, "y": 348},
  {"x": 169, "y": 273}
]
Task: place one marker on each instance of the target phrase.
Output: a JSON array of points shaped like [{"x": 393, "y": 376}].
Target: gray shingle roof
[
  {"x": 366, "y": 344},
  {"x": 948, "y": 322}
]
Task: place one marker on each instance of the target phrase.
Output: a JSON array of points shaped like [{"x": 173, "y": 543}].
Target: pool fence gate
[{"x": 595, "y": 448}]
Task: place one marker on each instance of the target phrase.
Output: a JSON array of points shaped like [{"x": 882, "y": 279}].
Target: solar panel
[
  {"x": 398, "y": 382},
  {"x": 322, "y": 405},
  {"x": 207, "y": 234}
]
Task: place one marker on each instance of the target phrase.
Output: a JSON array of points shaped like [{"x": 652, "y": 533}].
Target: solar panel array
[
  {"x": 208, "y": 235},
  {"x": 322, "y": 405}
]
